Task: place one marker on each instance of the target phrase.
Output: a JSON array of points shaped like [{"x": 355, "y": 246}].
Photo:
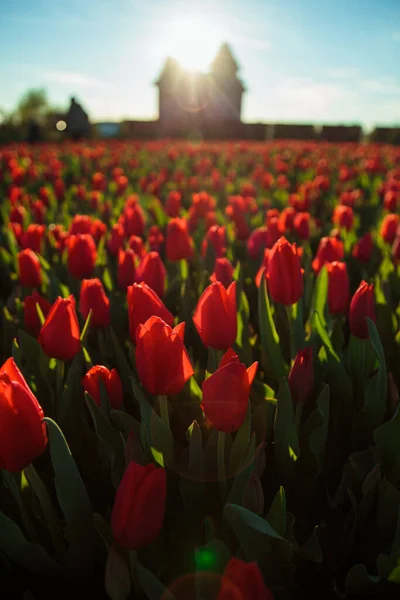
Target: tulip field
[{"x": 199, "y": 390}]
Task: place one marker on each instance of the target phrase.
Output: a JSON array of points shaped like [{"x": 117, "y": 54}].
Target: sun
[{"x": 192, "y": 42}]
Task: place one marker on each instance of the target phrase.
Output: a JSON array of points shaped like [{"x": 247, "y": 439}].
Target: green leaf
[
  {"x": 387, "y": 440},
  {"x": 373, "y": 412},
  {"x": 358, "y": 580},
  {"x": 86, "y": 326},
  {"x": 321, "y": 295},
  {"x": 318, "y": 436},
  {"x": 196, "y": 460},
  {"x": 277, "y": 512},
  {"x": 156, "y": 433},
  {"x": 286, "y": 444},
  {"x": 110, "y": 438},
  {"x": 152, "y": 587},
  {"x": 28, "y": 555},
  {"x": 74, "y": 502},
  {"x": 240, "y": 444},
  {"x": 117, "y": 579},
  {"x": 244, "y": 471},
  {"x": 268, "y": 333}
]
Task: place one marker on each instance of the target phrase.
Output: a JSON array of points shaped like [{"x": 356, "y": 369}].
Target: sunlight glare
[{"x": 192, "y": 42}]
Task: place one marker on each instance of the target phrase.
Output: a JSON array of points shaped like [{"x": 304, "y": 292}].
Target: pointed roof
[
  {"x": 224, "y": 62},
  {"x": 171, "y": 70}
]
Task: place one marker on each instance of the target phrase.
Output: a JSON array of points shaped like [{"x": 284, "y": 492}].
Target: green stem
[
  {"x": 297, "y": 417},
  {"x": 101, "y": 345},
  {"x": 60, "y": 379},
  {"x": 221, "y": 464},
  {"x": 163, "y": 400}
]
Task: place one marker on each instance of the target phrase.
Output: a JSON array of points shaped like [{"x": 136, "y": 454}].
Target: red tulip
[
  {"x": 285, "y": 275},
  {"x": 138, "y": 512},
  {"x": 135, "y": 243},
  {"x": 301, "y": 376},
  {"x": 22, "y": 431},
  {"x": 117, "y": 237},
  {"x": 152, "y": 271},
  {"x": 179, "y": 244},
  {"x": 111, "y": 381},
  {"x": 80, "y": 224},
  {"x": 133, "y": 220},
  {"x": 257, "y": 242},
  {"x": 362, "y": 306},
  {"x": 215, "y": 236},
  {"x": 301, "y": 225},
  {"x": 162, "y": 360},
  {"x": 93, "y": 298},
  {"x": 31, "y": 317},
  {"x": 226, "y": 393},
  {"x": 81, "y": 255},
  {"x": 223, "y": 272},
  {"x": 126, "y": 268},
  {"x": 59, "y": 336},
  {"x": 32, "y": 238},
  {"x": 243, "y": 581},
  {"x": 173, "y": 204},
  {"x": 389, "y": 228},
  {"x": 362, "y": 250},
  {"x": 215, "y": 316},
  {"x": 343, "y": 216},
  {"x": 30, "y": 272},
  {"x": 144, "y": 303},
  {"x": 329, "y": 250},
  {"x": 286, "y": 219},
  {"x": 338, "y": 287}
]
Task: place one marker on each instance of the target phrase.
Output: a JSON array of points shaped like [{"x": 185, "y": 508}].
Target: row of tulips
[{"x": 199, "y": 395}]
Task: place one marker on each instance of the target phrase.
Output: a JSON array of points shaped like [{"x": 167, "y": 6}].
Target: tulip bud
[
  {"x": 223, "y": 272},
  {"x": 226, "y": 411},
  {"x": 301, "y": 225},
  {"x": 285, "y": 275},
  {"x": 111, "y": 381},
  {"x": 22, "y": 431},
  {"x": 338, "y": 287},
  {"x": 343, "y": 216},
  {"x": 215, "y": 316},
  {"x": 139, "y": 506},
  {"x": 144, "y": 303},
  {"x": 162, "y": 360},
  {"x": 81, "y": 255},
  {"x": 329, "y": 250},
  {"x": 152, "y": 271},
  {"x": 59, "y": 336},
  {"x": 179, "y": 244},
  {"x": 362, "y": 250},
  {"x": 116, "y": 240},
  {"x": 253, "y": 495},
  {"x": 362, "y": 306},
  {"x": 301, "y": 376},
  {"x": 126, "y": 268},
  {"x": 31, "y": 317},
  {"x": 242, "y": 581},
  {"x": 30, "y": 273},
  {"x": 389, "y": 228},
  {"x": 93, "y": 298},
  {"x": 257, "y": 242}
]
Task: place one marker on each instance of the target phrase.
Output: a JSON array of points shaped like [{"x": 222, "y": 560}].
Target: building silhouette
[{"x": 209, "y": 96}]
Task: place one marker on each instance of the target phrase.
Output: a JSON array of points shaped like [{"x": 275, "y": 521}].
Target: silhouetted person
[
  {"x": 34, "y": 132},
  {"x": 77, "y": 120}
]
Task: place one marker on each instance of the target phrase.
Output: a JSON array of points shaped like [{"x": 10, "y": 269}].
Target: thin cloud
[
  {"x": 66, "y": 78},
  {"x": 251, "y": 43}
]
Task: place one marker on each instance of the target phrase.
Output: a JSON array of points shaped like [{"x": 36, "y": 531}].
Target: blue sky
[{"x": 301, "y": 60}]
